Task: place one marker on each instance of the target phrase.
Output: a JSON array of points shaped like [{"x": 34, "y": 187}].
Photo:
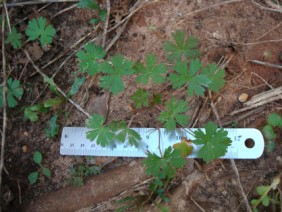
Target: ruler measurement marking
[{"x": 74, "y": 142}]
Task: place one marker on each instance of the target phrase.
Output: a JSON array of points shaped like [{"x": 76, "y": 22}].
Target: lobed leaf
[
  {"x": 195, "y": 82},
  {"x": 215, "y": 142},
  {"x": 102, "y": 134},
  {"x": 140, "y": 98},
  {"x": 88, "y": 58},
  {"x": 174, "y": 114},
  {"x": 164, "y": 168},
  {"x": 38, "y": 28},
  {"x": 119, "y": 68},
  {"x": 14, "y": 92},
  {"x": 215, "y": 75},
  {"x": 125, "y": 133},
  {"x": 14, "y": 38},
  {"x": 183, "y": 48},
  {"x": 150, "y": 71}
]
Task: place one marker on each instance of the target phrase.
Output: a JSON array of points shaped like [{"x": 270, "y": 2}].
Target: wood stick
[
  {"x": 266, "y": 64},
  {"x": 260, "y": 99},
  {"x": 20, "y": 4},
  {"x": 97, "y": 189},
  {"x": 264, "y": 96}
]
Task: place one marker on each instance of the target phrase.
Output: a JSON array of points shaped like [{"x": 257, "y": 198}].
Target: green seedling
[
  {"x": 53, "y": 129},
  {"x": 264, "y": 198},
  {"x": 80, "y": 172},
  {"x": 33, "y": 177},
  {"x": 38, "y": 29},
  {"x": 92, "y": 4},
  {"x": 31, "y": 113},
  {"x": 274, "y": 121},
  {"x": 14, "y": 38},
  {"x": 140, "y": 98},
  {"x": 14, "y": 93}
]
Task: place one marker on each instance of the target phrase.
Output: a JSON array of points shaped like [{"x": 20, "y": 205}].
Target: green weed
[
  {"x": 264, "y": 198},
  {"x": 81, "y": 171},
  {"x": 274, "y": 121},
  {"x": 33, "y": 177}
]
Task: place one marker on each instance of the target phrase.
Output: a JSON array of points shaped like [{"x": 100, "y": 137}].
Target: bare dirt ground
[{"x": 235, "y": 30}]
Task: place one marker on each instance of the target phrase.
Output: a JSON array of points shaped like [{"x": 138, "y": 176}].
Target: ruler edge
[{"x": 259, "y": 133}]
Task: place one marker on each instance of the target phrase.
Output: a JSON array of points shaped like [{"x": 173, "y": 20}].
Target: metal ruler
[{"x": 247, "y": 143}]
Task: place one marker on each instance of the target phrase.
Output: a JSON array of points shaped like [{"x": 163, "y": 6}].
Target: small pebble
[
  {"x": 24, "y": 148},
  {"x": 243, "y": 97}
]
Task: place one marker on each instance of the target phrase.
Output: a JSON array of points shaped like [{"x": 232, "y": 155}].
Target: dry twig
[
  {"x": 20, "y": 4},
  {"x": 208, "y": 7},
  {"x": 261, "y": 99},
  {"x": 106, "y": 23},
  {"x": 57, "y": 88},
  {"x": 267, "y": 8},
  {"x": 266, "y": 64},
  {"x": 4, "y": 84}
]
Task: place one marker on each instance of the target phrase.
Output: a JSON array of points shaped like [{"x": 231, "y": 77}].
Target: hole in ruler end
[{"x": 249, "y": 143}]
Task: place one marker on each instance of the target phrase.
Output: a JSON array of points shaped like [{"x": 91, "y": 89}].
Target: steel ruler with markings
[{"x": 247, "y": 143}]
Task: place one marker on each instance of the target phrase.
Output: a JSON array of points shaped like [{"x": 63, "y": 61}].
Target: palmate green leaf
[
  {"x": 103, "y": 134},
  {"x": 88, "y": 58},
  {"x": 215, "y": 142},
  {"x": 14, "y": 92},
  {"x": 140, "y": 98},
  {"x": 195, "y": 82},
  {"x": 37, "y": 157},
  {"x": 37, "y": 28},
  {"x": 124, "y": 133},
  {"x": 215, "y": 75},
  {"x": 53, "y": 128},
  {"x": 183, "y": 48},
  {"x": 274, "y": 120},
  {"x": 114, "y": 73},
  {"x": 150, "y": 71},
  {"x": 164, "y": 168},
  {"x": 90, "y": 4},
  {"x": 14, "y": 38},
  {"x": 174, "y": 114}
]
